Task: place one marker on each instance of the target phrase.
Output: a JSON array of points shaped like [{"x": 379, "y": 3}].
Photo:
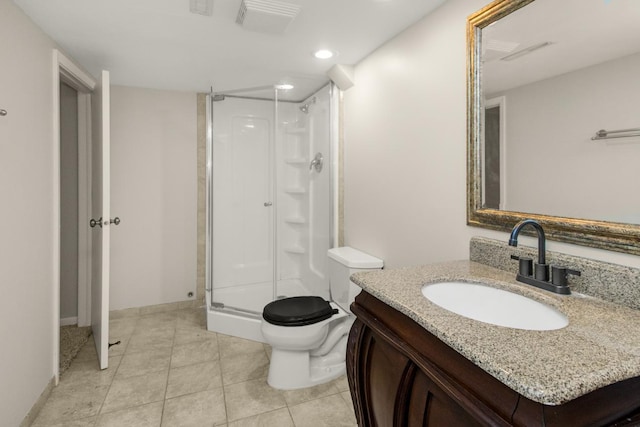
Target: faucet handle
[
  {"x": 525, "y": 265},
  {"x": 559, "y": 275}
]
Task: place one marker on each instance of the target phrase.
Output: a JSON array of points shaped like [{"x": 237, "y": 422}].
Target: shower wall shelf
[
  {"x": 295, "y": 250},
  {"x": 299, "y": 190},
  {"x": 295, "y": 220}
]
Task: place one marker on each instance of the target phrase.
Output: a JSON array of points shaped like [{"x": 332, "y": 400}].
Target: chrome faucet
[{"x": 540, "y": 277}]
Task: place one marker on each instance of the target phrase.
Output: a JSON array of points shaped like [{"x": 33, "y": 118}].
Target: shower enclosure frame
[{"x": 236, "y": 320}]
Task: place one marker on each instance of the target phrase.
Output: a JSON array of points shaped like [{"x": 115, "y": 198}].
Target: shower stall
[{"x": 271, "y": 202}]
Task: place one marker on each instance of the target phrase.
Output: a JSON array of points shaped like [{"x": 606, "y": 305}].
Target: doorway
[
  {"x": 73, "y": 334},
  {"x": 68, "y": 205},
  {"x": 494, "y": 183},
  {"x": 71, "y": 215}
]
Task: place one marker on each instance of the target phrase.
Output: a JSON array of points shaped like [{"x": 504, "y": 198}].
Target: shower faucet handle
[{"x": 267, "y": 204}]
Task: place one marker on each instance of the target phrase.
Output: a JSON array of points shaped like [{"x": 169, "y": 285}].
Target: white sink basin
[{"x": 494, "y": 306}]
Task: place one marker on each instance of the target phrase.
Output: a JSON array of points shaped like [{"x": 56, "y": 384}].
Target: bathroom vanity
[{"x": 413, "y": 363}]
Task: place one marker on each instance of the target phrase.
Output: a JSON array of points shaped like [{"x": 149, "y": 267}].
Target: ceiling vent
[
  {"x": 266, "y": 16},
  {"x": 201, "y": 7}
]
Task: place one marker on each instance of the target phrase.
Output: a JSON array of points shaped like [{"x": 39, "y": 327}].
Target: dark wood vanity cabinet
[{"x": 401, "y": 375}]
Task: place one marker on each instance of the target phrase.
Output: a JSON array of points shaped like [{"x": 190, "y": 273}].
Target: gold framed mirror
[{"x": 598, "y": 230}]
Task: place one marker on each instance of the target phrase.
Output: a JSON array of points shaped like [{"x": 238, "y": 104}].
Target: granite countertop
[{"x": 600, "y": 346}]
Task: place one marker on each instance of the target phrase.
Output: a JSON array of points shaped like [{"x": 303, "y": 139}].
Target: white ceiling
[
  {"x": 582, "y": 33},
  {"x": 160, "y": 44}
]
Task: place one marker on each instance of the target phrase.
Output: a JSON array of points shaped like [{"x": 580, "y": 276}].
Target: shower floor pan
[{"x": 237, "y": 311}]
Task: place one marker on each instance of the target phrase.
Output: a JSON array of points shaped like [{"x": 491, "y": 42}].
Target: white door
[{"x": 100, "y": 192}]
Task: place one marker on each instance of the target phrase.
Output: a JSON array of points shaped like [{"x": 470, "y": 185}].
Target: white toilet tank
[{"x": 343, "y": 262}]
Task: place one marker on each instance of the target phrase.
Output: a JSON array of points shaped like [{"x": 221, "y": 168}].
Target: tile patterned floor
[{"x": 169, "y": 370}]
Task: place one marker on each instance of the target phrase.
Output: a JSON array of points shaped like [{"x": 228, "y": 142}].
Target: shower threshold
[
  {"x": 237, "y": 311},
  {"x": 238, "y": 323}
]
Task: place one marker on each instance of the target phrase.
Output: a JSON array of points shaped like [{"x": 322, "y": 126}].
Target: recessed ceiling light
[
  {"x": 285, "y": 86},
  {"x": 323, "y": 54}
]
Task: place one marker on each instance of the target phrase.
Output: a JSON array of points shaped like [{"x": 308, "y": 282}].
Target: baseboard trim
[
  {"x": 37, "y": 407},
  {"x": 153, "y": 309},
  {"x": 69, "y": 321}
]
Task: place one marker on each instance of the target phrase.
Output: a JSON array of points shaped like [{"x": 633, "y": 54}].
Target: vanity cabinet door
[
  {"x": 396, "y": 393},
  {"x": 394, "y": 381}
]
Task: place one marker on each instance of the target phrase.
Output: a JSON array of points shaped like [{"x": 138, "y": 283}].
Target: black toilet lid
[{"x": 298, "y": 311}]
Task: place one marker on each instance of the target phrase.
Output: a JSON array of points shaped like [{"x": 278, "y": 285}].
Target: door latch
[{"x": 99, "y": 223}]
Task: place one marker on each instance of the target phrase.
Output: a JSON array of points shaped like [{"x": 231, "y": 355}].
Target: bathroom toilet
[{"x": 308, "y": 335}]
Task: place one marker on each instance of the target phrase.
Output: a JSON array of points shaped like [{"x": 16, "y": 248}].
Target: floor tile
[
  {"x": 124, "y": 313},
  {"x": 277, "y": 418},
  {"x": 134, "y": 364},
  {"x": 151, "y": 340},
  {"x": 85, "y": 422},
  {"x": 331, "y": 411},
  {"x": 244, "y": 367},
  {"x": 251, "y": 398},
  {"x": 135, "y": 391},
  {"x": 204, "y": 408},
  {"x": 169, "y": 369},
  {"x": 140, "y": 416},
  {"x": 87, "y": 353},
  {"x": 158, "y": 308},
  {"x": 346, "y": 395},
  {"x": 295, "y": 397},
  {"x": 187, "y": 335},
  {"x": 234, "y": 346},
  {"x": 72, "y": 402},
  {"x": 157, "y": 321},
  {"x": 194, "y": 378},
  {"x": 90, "y": 373},
  {"x": 195, "y": 352},
  {"x": 122, "y": 328},
  {"x": 268, "y": 349},
  {"x": 192, "y": 317},
  {"x": 342, "y": 383}
]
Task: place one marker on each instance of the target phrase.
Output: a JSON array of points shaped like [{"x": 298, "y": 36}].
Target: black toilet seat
[{"x": 298, "y": 311}]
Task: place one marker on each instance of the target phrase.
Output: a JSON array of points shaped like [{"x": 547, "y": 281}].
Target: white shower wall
[{"x": 315, "y": 204}]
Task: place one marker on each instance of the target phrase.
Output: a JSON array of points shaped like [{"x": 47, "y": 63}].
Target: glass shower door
[{"x": 243, "y": 206}]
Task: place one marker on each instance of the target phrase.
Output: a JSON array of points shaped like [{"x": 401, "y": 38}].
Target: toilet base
[{"x": 290, "y": 370}]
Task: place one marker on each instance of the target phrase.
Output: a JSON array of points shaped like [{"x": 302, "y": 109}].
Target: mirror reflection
[{"x": 560, "y": 92}]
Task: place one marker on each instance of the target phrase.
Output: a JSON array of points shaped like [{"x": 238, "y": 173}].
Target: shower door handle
[
  {"x": 317, "y": 162},
  {"x": 267, "y": 204}
]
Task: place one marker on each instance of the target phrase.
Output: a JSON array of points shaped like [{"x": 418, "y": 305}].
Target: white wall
[
  {"x": 549, "y": 128},
  {"x": 153, "y": 192},
  {"x": 26, "y": 228},
  {"x": 405, "y": 148}
]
